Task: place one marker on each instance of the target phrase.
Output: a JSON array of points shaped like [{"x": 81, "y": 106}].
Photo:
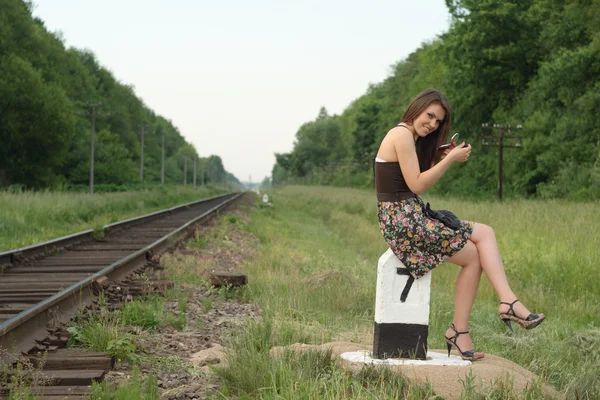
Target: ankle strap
[
  {"x": 510, "y": 309},
  {"x": 455, "y": 330}
]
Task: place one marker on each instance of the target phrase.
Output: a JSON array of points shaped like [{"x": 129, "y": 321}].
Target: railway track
[{"x": 43, "y": 284}]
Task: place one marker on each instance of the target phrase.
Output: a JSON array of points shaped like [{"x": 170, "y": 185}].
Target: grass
[
  {"x": 135, "y": 388},
  {"x": 21, "y": 380},
  {"x": 314, "y": 279},
  {"x": 104, "y": 331},
  {"x": 31, "y": 217},
  {"x": 148, "y": 313},
  {"x": 312, "y": 374}
]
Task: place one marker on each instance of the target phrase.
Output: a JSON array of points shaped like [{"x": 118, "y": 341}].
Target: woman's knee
[
  {"x": 468, "y": 256},
  {"x": 482, "y": 232}
]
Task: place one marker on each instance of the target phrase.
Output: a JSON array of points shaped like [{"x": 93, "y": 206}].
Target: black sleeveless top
[{"x": 390, "y": 183}]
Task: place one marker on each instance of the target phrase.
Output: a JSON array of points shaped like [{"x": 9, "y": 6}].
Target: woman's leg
[
  {"x": 485, "y": 239},
  {"x": 465, "y": 292}
]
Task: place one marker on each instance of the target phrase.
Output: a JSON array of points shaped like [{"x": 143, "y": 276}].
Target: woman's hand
[
  {"x": 459, "y": 153},
  {"x": 445, "y": 153}
]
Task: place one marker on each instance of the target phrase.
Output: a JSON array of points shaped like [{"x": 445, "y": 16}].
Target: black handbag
[{"x": 446, "y": 217}]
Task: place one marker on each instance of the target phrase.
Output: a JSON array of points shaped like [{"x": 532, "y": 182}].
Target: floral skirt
[{"x": 419, "y": 242}]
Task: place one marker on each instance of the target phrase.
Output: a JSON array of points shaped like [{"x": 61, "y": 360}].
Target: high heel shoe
[
  {"x": 471, "y": 355},
  {"x": 530, "y": 322}
]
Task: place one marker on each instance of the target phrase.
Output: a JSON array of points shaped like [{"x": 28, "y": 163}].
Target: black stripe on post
[
  {"x": 409, "y": 282},
  {"x": 400, "y": 341}
]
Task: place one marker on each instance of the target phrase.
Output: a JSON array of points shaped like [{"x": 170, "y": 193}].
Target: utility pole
[
  {"x": 202, "y": 174},
  {"x": 194, "y": 172},
  {"x": 92, "y": 115},
  {"x": 142, "y": 155},
  {"x": 162, "y": 165},
  {"x": 499, "y": 142},
  {"x": 185, "y": 170},
  {"x": 332, "y": 168},
  {"x": 321, "y": 167},
  {"x": 348, "y": 176}
]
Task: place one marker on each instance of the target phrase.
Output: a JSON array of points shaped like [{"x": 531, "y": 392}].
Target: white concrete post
[{"x": 401, "y": 311}]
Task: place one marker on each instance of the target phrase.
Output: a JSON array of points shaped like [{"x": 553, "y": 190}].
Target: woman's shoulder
[
  {"x": 399, "y": 133},
  {"x": 397, "y": 138}
]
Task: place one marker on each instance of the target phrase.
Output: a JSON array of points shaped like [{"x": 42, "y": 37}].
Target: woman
[{"x": 408, "y": 163}]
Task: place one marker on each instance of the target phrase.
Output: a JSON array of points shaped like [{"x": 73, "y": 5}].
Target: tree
[
  {"x": 36, "y": 124},
  {"x": 491, "y": 52},
  {"x": 43, "y": 87}
]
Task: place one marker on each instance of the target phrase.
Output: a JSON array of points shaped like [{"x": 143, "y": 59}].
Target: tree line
[
  {"x": 45, "y": 90},
  {"x": 533, "y": 63}
]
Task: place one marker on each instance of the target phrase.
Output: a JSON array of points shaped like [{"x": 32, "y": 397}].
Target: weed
[
  {"x": 106, "y": 336},
  {"x": 226, "y": 293},
  {"x": 98, "y": 233},
  {"x": 51, "y": 251},
  {"x": 200, "y": 326},
  {"x": 169, "y": 364},
  {"x": 24, "y": 378},
  {"x": 199, "y": 241},
  {"x": 468, "y": 386},
  {"x": 206, "y": 304},
  {"x": 136, "y": 388},
  {"x": 179, "y": 321},
  {"x": 102, "y": 331},
  {"x": 123, "y": 348},
  {"x": 147, "y": 313}
]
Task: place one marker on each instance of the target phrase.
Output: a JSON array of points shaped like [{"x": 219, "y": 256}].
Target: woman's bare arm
[{"x": 419, "y": 182}]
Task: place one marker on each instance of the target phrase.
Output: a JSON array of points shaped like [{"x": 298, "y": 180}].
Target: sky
[{"x": 239, "y": 78}]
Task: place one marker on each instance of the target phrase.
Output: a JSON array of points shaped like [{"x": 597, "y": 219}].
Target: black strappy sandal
[
  {"x": 471, "y": 355},
  {"x": 530, "y": 322}
]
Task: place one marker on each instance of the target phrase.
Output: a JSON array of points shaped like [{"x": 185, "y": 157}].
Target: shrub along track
[{"x": 44, "y": 284}]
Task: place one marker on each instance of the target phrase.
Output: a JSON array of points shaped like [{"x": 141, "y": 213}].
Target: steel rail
[
  {"x": 15, "y": 255},
  {"x": 21, "y": 331}
]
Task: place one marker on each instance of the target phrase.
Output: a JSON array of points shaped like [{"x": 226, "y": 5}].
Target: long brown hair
[{"x": 427, "y": 151}]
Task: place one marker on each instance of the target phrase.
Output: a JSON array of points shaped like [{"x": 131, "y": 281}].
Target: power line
[
  {"x": 185, "y": 170},
  {"x": 142, "y": 154},
  {"x": 162, "y": 164},
  {"x": 498, "y": 141}
]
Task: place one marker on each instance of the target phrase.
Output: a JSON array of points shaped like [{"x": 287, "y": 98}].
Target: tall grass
[
  {"x": 316, "y": 272},
  {"x": 312, "y": 374},
  {"x": 32, "y": 217}
]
